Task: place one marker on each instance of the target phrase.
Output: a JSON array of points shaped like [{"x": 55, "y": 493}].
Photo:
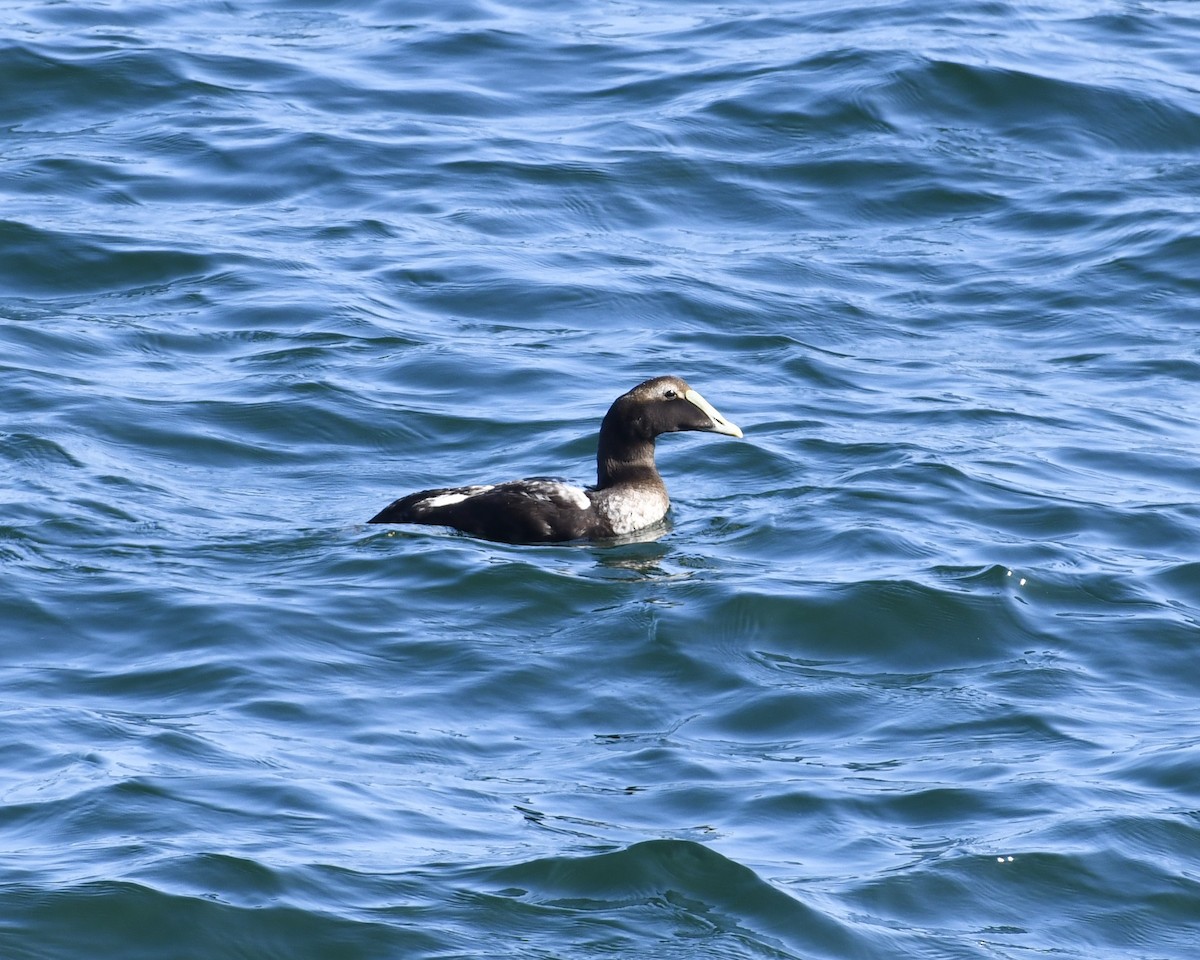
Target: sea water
[{"x": 911, "y": 672}]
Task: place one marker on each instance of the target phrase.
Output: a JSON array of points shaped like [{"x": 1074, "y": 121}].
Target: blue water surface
[{"x": 911, "y": 671}]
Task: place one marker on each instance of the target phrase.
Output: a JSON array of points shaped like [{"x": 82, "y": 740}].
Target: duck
[{"x": 629, "y": 494}]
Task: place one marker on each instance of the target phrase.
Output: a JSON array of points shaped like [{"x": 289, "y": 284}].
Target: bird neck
[{"x": 623, "y": 458}]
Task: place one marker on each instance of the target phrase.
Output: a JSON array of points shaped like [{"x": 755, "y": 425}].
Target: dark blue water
[{"x": 912, "y": 672}]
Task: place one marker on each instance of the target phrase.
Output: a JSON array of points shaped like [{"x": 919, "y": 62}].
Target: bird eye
[{"x": 670, "y": 393}]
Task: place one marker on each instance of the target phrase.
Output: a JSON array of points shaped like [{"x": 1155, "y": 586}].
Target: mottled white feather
[
  {"x": 554, "y": 490},
  {"x": 630, "y": 510}
]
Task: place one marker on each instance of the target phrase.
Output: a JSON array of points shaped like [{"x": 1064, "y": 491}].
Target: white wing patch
[
  {"x": 535, "y": 488},
  {"x": 453, "y": 497}
]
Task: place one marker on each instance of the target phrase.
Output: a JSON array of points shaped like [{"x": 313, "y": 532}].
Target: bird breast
[{"x": 629, "y": 510}]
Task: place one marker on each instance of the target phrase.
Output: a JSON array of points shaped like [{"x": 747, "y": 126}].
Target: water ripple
[{"x": 908, "y": 672}]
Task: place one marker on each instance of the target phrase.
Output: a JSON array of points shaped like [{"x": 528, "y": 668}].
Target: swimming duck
[{"x": 629, "y": 494}]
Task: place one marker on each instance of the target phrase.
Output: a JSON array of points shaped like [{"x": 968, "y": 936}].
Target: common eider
[{"x": 629, "y": 494}]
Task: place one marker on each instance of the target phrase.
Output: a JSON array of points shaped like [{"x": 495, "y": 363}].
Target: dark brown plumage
[{"x": 629, "y": 494}]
